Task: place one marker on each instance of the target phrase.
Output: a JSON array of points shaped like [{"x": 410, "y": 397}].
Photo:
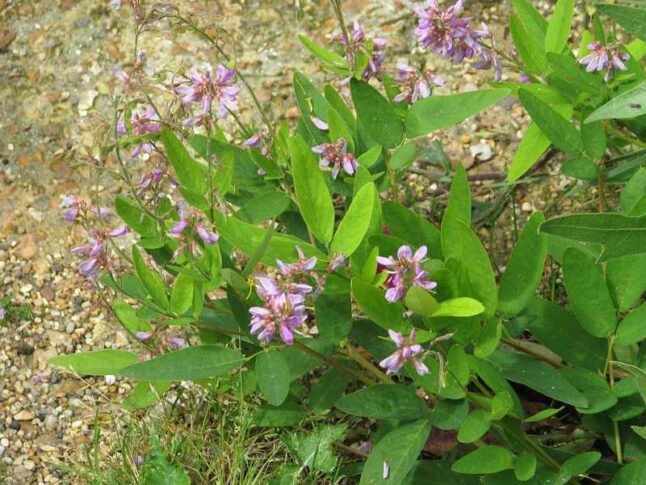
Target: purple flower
[
  {"x": 405, "y": 271},
  {"x": 337, "y": 156},
  {"x": 39, "y": 378},
  {"x": 204, "y": 88},
  {"x": 407, "y": 351},
  {"x": 2, "y": 313},
  {"x": 375, "y": 49},
  {"x": 302, "y": 266},
  {"x": 118, "y": 232},
  {"x": 448, "y": 34},
  {"x": 415, "y": 85},
  {"x": 336, "y": 261},
  {"x": 281, "y": 313},
  {"x": 72, "y": 208},
  {"x": 142, "y": 122},
  {"x": 319, "y": 123},
  {"x": 143, "y": 336},
  {"x": 95, "y": 251},
  {"x": 602, "y": 58},
  {"x": 151, "y": 178},
  {"x": 254, "y": 140},
  {"x": 174, "y": 342},
  {"x": 191, "y": 224}
]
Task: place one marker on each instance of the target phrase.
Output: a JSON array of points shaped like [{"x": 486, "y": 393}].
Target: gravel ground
[{"x": 55, "y": 62}]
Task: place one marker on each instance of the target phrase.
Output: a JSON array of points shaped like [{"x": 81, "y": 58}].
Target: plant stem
[
  {"x": 335, "y": 363},
  {"x": 529, "y": 351},
  {"x": 367, "y": 365},
  {"x": 602, "y": 184}
]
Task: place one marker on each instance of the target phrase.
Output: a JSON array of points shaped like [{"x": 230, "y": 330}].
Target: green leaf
[
  {"x": 632, "y": 329},
  {"x": 501, "y": 404},
  {"x": 594, "y": 139},
  {"x": 413, "y": 228},
  {"x": 626, "y": 279},
  {"x": 403, "y": 157},
  {"x": 620, "y": 235},
  {"x": 289, "y": 414},
  {"x": 436, "y": 112},
  {"x": 314, "y": 448},
  {"x": 95, "y": 363},
  {"x": 532, "y": 146},
  {"x": 190, "y": 174},
  {"x": 629, "y": 104},
  {"x": 187, "y": 364},
  {"x": 384, "y": 401},
  {"x": 310, "y": 103},
  {"x": 524, "y": 269},
  {"x": 474, "y": 427},
  {"x": 420, "y": 301},
  {"x": 372, "y": 301},
  {"x": 543, "y": 415},
  {"x": 588, "y": 294},
  {"x": 273, "y": 376},
  {"x": 494, "y": 379},
  {"x": 145, "y": 394},
  {"x": 458, "y": 307},
  {"x": 333, "y": 316},
  {"x": 579, "y": 464},
  {"x": 398, "y": 451},
  {"x": 441, "y": 472},
  {"x": 338, "y": 129},
  {"x": 630, "y": 474},
  {"x": 325, "y": 392},
  {"x": 459, "y": 204},
  {"x": 529, "y": 50},
  {"x": 560, "y": 131},
  {"x": 630, "y": 18},
  {"x": 477, "y": 278},
  {"x": 488, "y": 338},
  {"x": 325, "y": 55},
  {"x": 558, "y": 28},
  {"x": 355, "y": 223},
  {"x": 370, "y": 157},
  {"x": 532, "y": 20},
  {"x": 558, "y": 330},
  {"x": 314, "y": 199},
  {"x": 633, "y": 197},
  {"x": 484, "y": 460},
  {"x": 181, "y": 299},
  {"x": 264, "y": 206},
  {"x": 593, "y": 387},
  {"x": 580, "y": 168},
  {"x": 376, "y": 114},
  {"x": 525, "y": 467},
  {"x": 449, "y": 414},
  {"x": 129, "y": 317},
  {"x": 134, "y": 217},
  {"x": 248, "y": 237},
  {"x": 150, "y": 279},
  {"x": 538, "y": 376},
  {"x": 568, "y": 70}
]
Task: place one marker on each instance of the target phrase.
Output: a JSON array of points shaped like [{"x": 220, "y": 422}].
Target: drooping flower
[
  {"x": 72, "y": 208},
  {"x": 336, "y": 261},
  {"x": 405, "y": 271},
  {"x": 337, "y": 155},
  {"x": 604, "y": 58},
  {"x": 281, "y": 313},
  {"x": 407, "y": 351},
  {"x": 2, "y": 313},
  {"x": 415, "y": 85},
  {"x": 142, "y": 122},
  {"x": 204, "y": 88},
  {"x": 174, "y": 342},
  {"x": 303, "y": 265}
]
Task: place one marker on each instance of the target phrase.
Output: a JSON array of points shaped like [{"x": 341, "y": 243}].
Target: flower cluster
[
  {"x": 190, "y": 223},
  {"x": 75, "y": 210},
  {"x": 405, "y": 271},
  {"x": 151, "y": 178},
  {"x": 205, "y": 88},
  {"x": 283, "y": 300},
  {"x": 95, "y": 251},
  {"x": 337, "y": 155},
  {"x": 142, "y": 122},
  {"x": 604, "y": 58},
  {"x": 447, "y": 33},
  {"x": 136, "y": 73},
  {"x": 415, "y": 85},
  {"x": 376, "y": 48},
  {"x": 407, "y": 351}
]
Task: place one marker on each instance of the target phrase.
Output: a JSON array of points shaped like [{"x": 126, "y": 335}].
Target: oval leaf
[
  {"x": 273, "y": 376},
  {"x": 96, "y": 363}
]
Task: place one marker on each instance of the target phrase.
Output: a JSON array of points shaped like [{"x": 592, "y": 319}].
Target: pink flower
[
  {"x": 415, "y": 85},
  {"x": 282, "y": 313},
  {"x": 602, "y": 58},
  {"x": 405, "y": 271},
  {"x": 407, "y": 351},
  {"x": 337, "y": 156}
]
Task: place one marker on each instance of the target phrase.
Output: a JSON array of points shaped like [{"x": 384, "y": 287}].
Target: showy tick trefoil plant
[{"x": 281, "y": 259}]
